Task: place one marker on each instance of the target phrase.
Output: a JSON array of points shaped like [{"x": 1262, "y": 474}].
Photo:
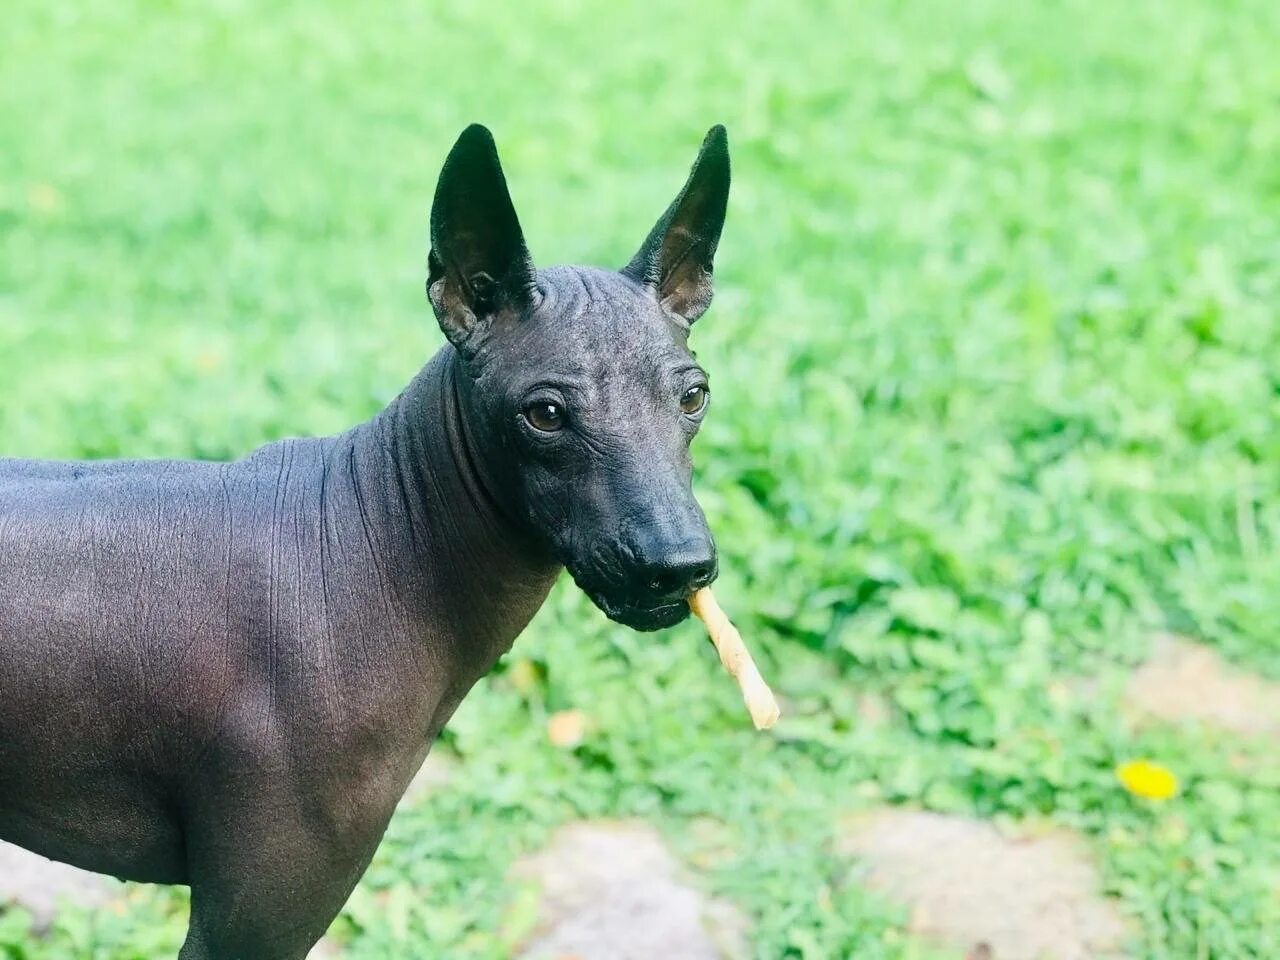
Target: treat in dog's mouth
[
  {"x": 736, "y": 659},
  {"x": 734, "y": 656}
]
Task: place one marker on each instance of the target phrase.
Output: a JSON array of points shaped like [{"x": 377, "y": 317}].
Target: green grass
[{"x": 995, "y": 360}]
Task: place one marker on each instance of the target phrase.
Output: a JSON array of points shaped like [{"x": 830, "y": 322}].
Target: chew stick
[{"x": 736, "y": 659}]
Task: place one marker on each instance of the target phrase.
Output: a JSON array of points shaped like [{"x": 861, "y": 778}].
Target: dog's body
[
  {"x": 225, "y": 675},
  {"x": 210, "y": 668}
]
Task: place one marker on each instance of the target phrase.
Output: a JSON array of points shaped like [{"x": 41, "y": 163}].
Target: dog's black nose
[{"x": 673, "y": 574}]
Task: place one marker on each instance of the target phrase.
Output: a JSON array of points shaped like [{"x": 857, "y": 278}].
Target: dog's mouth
[
  {"x": 626, "y": 608},
  {"x": 640, "y": 616}
]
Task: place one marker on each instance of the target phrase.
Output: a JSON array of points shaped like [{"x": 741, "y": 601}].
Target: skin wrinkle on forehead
[
  {"x": 599, "y": 334},
  {"x": 627, "y": 334}
]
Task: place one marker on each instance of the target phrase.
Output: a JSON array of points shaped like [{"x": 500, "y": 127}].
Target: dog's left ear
[
  {"x": 676, "y": 259},
  {"x": 479, "y": 267}
]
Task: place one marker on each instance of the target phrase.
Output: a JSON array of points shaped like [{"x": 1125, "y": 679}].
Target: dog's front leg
[
  {"x": 266, "y": 882},
  {"x": 278, "y": 829}
]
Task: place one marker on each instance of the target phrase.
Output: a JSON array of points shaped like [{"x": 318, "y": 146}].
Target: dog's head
[{"x": 580, "y": 387}]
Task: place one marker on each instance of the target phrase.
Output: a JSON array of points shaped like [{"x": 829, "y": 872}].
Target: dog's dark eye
[
  {"x": 693, "y": 400},
  {"x": 547, "y": 417}
]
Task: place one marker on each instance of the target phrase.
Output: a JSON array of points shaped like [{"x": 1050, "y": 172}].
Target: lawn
[{"x": 997, "y": 391}]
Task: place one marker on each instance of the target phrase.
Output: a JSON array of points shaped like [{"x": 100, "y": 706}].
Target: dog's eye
[
  {"x": 693, "y": 400},
  {"x": 547, "y": 417}
]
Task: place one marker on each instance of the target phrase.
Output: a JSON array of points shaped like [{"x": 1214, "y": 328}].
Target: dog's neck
[{"x": 459, "y": 560}]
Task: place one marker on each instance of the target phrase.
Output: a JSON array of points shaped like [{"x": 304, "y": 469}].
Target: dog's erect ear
[
  {"x": 479, "y": 266},
  {"x": 676, "y": 259}
]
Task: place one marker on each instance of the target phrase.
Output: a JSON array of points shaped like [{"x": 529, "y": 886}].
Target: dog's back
[
  {"x": 152, "y": 615},
  {"x": 76, "y": 542}
]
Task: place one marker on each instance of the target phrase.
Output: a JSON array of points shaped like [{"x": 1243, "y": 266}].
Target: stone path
[
  {"x": 1185, "y": 682},
  {"x": 39, "y": 884},
  {"x": 612, "y": 891},
  {"x": 973, "y": 888}
]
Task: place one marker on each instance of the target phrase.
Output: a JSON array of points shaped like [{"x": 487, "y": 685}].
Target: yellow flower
[{"x": 1147, "y": 779}]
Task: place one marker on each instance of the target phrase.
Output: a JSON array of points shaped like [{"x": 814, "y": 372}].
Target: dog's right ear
[{"x": 479, "y": 267}]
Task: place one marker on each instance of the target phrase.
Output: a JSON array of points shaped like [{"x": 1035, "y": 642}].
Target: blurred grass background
[{"x": 996, "y": 369}]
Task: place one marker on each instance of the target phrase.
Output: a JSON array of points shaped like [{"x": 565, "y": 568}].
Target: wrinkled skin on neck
[{"x": 610, "y": 492}]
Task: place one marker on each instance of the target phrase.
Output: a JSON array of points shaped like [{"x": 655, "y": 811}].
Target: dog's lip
[
  {"x": 624, "y": 608},
  {"x": 645, "y": 619},
  {"x": 612, "y": 601},
  {"x": 639, "y": 616}
]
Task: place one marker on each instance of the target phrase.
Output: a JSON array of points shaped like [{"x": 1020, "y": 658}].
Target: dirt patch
[
  {"x": 39, "y": 885},
  {"x": 1185, "y": 682},
  {"x": 612, "y": 891},
  {"x": 970, "y": 886}
]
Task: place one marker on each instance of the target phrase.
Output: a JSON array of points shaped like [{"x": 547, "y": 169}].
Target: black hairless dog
[{"x": 225, "y": 675}]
